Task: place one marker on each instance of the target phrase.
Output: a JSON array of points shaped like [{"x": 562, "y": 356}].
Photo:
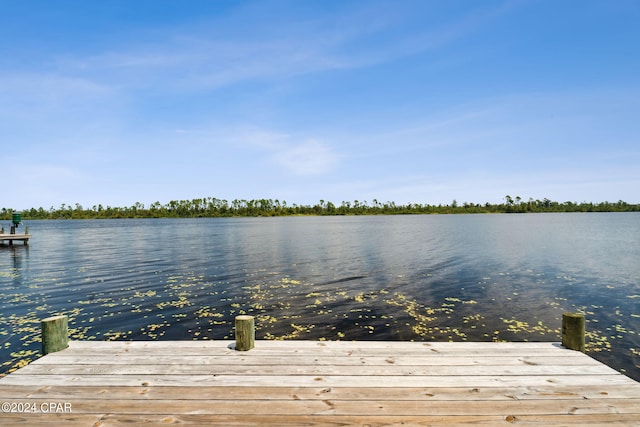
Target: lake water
[{"x": 418, "y": 277}]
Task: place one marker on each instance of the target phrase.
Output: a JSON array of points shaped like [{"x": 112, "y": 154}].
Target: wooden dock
[
  {"x": 317, "y": 383},
  {"x": 24, "y": 238}
]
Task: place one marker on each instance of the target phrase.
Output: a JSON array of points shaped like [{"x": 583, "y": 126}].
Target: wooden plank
[
  {"x": 250, "y": 420},
  {"x": 342, "y": 407},
  {"x": 327, "y": 348},
  {"x": 23, "y": 237},
  {"x": 308, "y": 360},
  {"x": 313, "y": 347},
  {"x": 150, "y": 352},
  {"x": 305, "y": 344},
  {"x": 300, "y": 369},
  {"x": 311, "y": 380},
  {"x": 602, "y": 392}
]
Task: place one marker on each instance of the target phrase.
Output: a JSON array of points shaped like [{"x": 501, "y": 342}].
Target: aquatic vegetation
[
  {"x": 298, "y": 331},
  {"x": 278, "y": 303},
  {"x": 523, "y": 327}
]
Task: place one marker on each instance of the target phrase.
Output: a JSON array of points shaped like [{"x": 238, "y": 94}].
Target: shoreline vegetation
[{"x": 211, "y": 207}]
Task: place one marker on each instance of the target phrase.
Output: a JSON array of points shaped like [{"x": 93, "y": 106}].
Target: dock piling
[
  {"x": 573, "y": 331},
  {"x": 245, "y": 333},
  {"x": 55, "y": 334}
]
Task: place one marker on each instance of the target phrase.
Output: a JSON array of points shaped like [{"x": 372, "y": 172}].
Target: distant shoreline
[{"x": 210, "y": 207}]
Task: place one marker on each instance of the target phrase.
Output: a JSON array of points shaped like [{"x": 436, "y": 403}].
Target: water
[{"x": 422, "y": 277}]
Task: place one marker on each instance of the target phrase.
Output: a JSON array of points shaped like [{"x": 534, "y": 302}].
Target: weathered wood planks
[
  {"x": 11, "y": 237},
  {"x": 321, "y": 383}
]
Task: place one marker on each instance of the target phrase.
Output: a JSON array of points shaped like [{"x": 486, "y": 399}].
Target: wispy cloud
[
  {"x": 31, "y": 91},
  {"x": 214, "y": 56},
  {"x": 303, "y": 156},
  {"x": 308, "y": 157}
]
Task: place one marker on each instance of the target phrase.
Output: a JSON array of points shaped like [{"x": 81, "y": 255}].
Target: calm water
[{"x": 423, "y": 277}]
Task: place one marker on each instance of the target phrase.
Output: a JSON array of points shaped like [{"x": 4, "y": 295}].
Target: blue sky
[{"x": 118, "y": 102}]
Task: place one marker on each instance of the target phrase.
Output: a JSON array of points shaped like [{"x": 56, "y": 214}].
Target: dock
[
  {"x": 317, "y": 383},
  {"x": 24, "y": 238}
]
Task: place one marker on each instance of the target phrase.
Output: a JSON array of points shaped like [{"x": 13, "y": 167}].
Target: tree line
[{"x": 209, "y": 207}]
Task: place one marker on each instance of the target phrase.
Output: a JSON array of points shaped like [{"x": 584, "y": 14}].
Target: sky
[{"x": 122, "y": 102}]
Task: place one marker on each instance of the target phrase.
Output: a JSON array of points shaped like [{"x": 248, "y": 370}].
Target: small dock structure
[
  {"x": 316, "y": 383},
  {"x": 5, "y": 237},
  {"x": 10, "y": 237}
]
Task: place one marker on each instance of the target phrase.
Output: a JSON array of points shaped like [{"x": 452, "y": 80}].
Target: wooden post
[
  {"x": 573, "y": 331},
  {"x": 245, "y": 333},
  {"x": 55, "y": 334}
]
